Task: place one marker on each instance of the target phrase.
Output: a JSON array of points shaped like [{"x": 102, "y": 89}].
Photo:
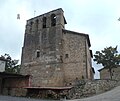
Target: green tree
[
  {"x": 108, "y": 57},
  {"x": 11, "y": 65}
]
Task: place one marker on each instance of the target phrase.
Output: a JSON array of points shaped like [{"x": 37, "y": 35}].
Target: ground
[
  {"x": 9, "y": 98},
  {"x": 113, "y": 95}
]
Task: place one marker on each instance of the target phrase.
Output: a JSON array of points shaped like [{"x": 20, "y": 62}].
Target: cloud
[
  {"x": 12, "y": 30},
  {"x": 98, "y": 18}
]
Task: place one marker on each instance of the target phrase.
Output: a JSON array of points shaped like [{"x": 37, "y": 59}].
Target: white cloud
[
  {"x": 12, "y": 30},
  {"x": 98, "y": 18}
]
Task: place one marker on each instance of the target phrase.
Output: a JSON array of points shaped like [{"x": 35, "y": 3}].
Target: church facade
[{"x": 52, "y": 55}]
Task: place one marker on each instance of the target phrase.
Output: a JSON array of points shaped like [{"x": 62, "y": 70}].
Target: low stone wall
[
  {"x": 88, "y": 88},
  {"x": 80, "y": 89},
  {"x": 45, "y": 94},
  {"x": 99, "y": 86},
  {"x": 14, "y": 91}
]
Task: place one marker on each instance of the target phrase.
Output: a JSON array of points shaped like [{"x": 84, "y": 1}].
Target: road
[
  {"x": 113, "y": 95},
  {"x": 10, "y": 98}
]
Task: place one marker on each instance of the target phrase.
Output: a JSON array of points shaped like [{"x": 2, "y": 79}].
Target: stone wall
[
  {"x": 104, "y": 73},
  {"x": 16, "y": 82},
  {"x": 80, "y": 89},
  {"x": 52, "y": 55},
  {"x": 88, "y": 88},
  {"x": 76, "y": 56},
  {"x": 14, "y": 91},
  {"x": 42, "y": 52},
  {"x": 90, "y": 73},
  {"x": 45, "y": 75},
  {"x": 15, "y": 86}
]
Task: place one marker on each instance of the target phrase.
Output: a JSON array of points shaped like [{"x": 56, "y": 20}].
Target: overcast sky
[{"x": 98, "y": 18}]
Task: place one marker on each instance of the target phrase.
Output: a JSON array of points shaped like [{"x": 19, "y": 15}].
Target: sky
[{"x": 98, "y": 18}]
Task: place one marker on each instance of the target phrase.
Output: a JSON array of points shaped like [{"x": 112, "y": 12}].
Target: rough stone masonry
[{"x": 52, "y": 55}]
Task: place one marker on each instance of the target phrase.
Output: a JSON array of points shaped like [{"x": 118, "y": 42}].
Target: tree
[
  {"x": 11, "y": 65},
  {"x": 108, "y": 57}
]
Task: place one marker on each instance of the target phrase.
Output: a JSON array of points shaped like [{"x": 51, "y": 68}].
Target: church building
[{"x": 52, "y": 55}]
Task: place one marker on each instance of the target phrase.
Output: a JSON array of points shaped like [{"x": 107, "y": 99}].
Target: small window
[
  {"x": 82, "y": 77},
  {"x": 66, "y": 56},
  {"x": 37, "y": 53},
  {"x": 70, "y": 83},
  {"x": 31, "y": 23},
  {"x": 53, "y": 20},
  {"x": 44, "y": 22},
  {"x": 61, "y": 59}
]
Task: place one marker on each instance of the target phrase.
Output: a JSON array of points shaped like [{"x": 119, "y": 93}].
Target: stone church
[{"x": 52, "y": 55}]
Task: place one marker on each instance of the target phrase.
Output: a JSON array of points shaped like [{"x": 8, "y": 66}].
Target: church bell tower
[{"x": 42, "y": 49}]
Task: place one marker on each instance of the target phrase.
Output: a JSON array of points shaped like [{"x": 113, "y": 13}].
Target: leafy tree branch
[
  {"x": 11, "y": 65},
  {"x": 108, "y": 57}
]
